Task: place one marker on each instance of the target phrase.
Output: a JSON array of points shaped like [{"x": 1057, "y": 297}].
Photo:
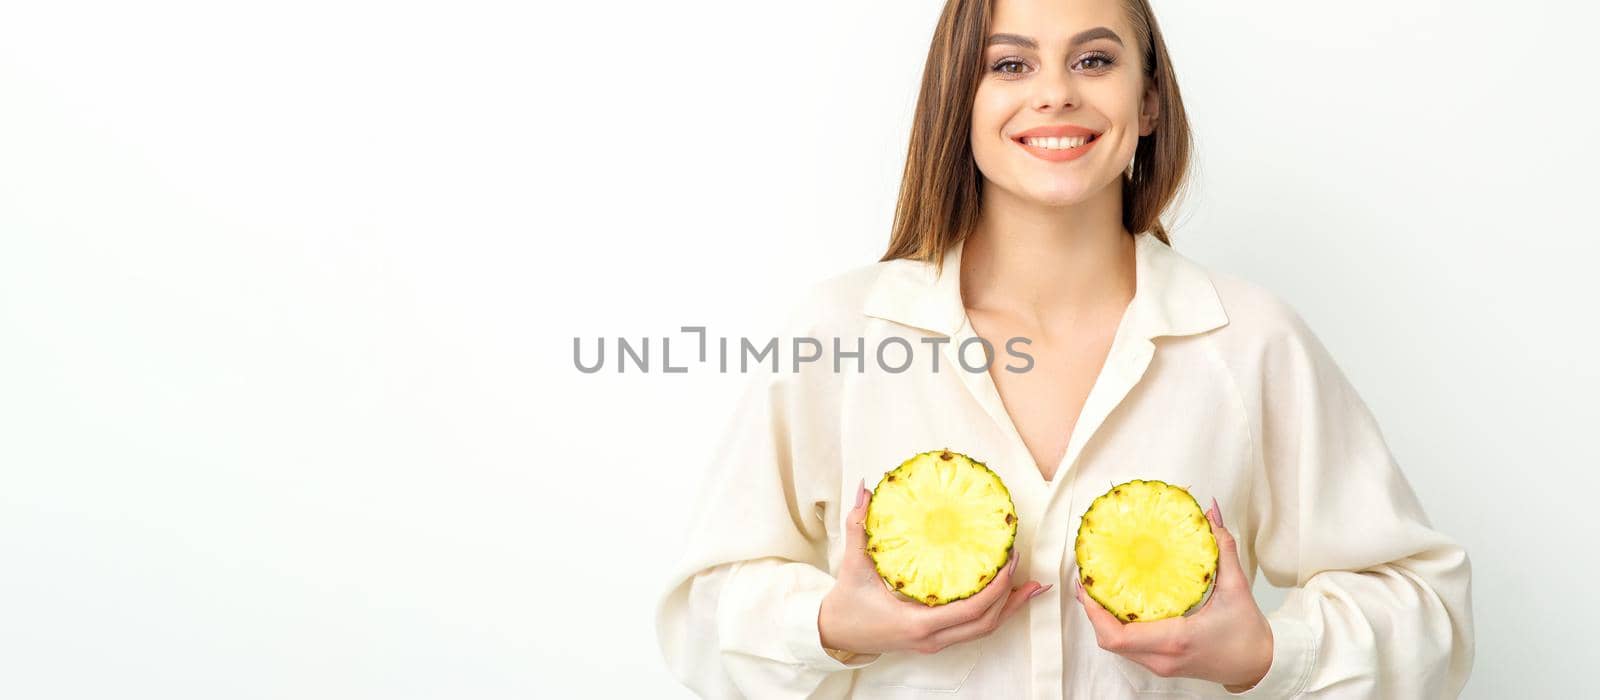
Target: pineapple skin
[
  {"x": 889, "y": 577},
  {"x": 1099, "y": 592}
]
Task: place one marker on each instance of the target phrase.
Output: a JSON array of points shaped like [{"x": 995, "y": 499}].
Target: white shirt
[{"x": 1212, "y": 382}]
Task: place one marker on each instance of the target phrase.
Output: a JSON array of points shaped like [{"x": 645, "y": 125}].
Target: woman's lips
[{"x": 1058, "y": 154}]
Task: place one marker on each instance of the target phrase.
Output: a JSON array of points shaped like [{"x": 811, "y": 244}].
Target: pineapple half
[
  {"x": 939, "y": 527},
  {"x": 1145, "y": 551}
]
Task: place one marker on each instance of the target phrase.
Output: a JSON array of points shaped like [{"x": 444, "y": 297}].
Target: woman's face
[{"x": 1059, "y": 63}]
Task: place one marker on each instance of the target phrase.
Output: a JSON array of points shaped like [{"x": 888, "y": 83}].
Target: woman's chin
[
  {"x": 1053, "y": 189},
  {"x": 1064, "y": 195}
]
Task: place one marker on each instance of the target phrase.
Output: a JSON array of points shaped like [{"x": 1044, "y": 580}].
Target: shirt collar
[{"x": 1173, "y": 295}]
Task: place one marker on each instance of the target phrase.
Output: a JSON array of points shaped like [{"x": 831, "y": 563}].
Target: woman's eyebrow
[{"x": 1084, "y": 36}]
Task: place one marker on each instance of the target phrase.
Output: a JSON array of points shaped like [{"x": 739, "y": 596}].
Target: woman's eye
[
  {"x": 1100, "y": 62},
  {"x": 1001, "y": 66}
]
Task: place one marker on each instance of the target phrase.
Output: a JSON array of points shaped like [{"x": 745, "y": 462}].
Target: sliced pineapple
[
  {"x": 1145, "y": 551},
  {"x": 940, "y": 526}
]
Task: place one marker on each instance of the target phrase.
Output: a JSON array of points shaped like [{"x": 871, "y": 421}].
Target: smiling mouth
[
  {"x": 1057, "y": 143},
  {"x": 1058, "y": 149}
]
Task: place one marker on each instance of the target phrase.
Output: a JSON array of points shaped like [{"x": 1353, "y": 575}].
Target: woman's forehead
[{"x": 1056, "y": 21}]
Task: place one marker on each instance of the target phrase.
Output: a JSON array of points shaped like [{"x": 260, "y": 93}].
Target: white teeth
[{"x": 1054, "y": 143}]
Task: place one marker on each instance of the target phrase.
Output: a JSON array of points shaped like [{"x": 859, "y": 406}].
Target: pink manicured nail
[
  {"x": 1218, "y": 510},
  {"x": 1039, "y": 590},
  {"x": 861, "y": 492}
]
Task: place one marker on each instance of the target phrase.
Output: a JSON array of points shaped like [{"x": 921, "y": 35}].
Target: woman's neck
[{"x": 1048, "y": 263}]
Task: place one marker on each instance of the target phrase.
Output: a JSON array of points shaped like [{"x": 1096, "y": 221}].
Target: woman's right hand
[{"x": 862, "y": 615}]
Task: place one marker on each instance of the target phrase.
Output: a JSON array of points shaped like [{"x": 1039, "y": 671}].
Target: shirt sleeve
[
  {"x": 739, "y": 617},
  {"x": 1379, "y": 604}
]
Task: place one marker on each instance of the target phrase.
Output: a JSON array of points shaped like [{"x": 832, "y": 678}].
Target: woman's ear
[{"x": 1149, "y": 110}]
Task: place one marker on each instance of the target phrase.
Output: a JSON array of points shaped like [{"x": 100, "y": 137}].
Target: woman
[{"x": 1020, "y": 216}]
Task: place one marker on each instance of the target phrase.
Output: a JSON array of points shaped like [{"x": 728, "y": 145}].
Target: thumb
[
  {"x": 1230, "y": 573},
  {"x": 856, "y": 561}
]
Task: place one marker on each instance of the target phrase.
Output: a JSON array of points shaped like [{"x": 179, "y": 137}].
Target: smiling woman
[
  {"x": 1049, "y": 138},
  {"x": 974, "y": 77}
]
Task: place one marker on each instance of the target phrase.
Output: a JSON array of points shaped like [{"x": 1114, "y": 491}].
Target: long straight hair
[{"x": 941, "y": 187}]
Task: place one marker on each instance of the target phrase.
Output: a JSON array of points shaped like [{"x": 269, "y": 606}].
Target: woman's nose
[{"x": 1055, "y": 90}]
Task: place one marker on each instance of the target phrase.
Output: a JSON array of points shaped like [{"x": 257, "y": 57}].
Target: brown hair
[{"x": 941, "y": 186}]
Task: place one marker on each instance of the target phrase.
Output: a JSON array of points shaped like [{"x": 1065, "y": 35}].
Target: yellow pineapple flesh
[
  {"x": 1145, "y": 551},
  {"x": 940, "y": 526}
]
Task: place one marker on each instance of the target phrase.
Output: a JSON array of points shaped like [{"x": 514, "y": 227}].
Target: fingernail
[
  {"x": 1217, "y": 510},
  {"x": 861, "y": 492},
  {"x": 1039, "y": 590}
]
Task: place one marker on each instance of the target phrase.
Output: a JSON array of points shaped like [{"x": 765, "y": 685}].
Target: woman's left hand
[{"x": 1228, "y": 641}]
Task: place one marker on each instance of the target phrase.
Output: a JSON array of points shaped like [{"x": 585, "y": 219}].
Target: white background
[{"x": 288, "y": 293}]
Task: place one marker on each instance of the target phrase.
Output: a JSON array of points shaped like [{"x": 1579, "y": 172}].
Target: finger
[
  {"x": 972, "y": 628},
  {"x": 1159, "y": 664},
  {"x": 1108, "y": 630},
  {"x": 856, "y": 560},
  {"x": 1155, "y": 636},
  {"x": 972, "y": 608},
  {"x": 991, "y": 620},
  {"x": 1230, "y": 573}
]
